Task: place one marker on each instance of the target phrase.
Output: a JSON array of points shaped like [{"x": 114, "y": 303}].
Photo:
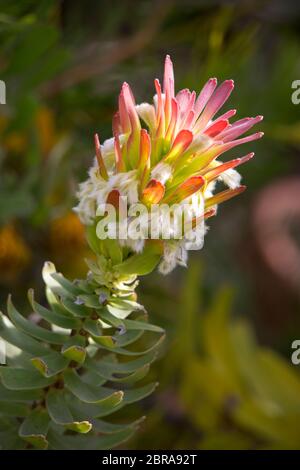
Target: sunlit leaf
[
  {"x": 35, "y": 427},
  {"x": 60, "y": 319},
  {"x": 51, "y": 364},
  {"x": 89, "y": 394},
  {"x": 60, "y": 413}
]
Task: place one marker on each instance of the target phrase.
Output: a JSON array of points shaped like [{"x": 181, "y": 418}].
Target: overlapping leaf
[{"x": 55, "y": 379}]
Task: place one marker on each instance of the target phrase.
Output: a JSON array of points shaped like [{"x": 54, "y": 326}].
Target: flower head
[{"x": 168, "y": 153}]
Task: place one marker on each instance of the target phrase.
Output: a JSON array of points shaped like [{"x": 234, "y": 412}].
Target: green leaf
[
  {"x": 16, "y": 358},
  {"x": 92, "y": 378},
  {"x": 23, "y": 379},
  {"x": 119, "y": 312},
  {"x": 64, "y": 321},
  {"x": 51, "y": 364},
  {"x": 113, "y": 250},
  {"x": 107, "y": 367},
  {"x": 12, "y": 335},
  {"x": 51, "y": 284},
  {"x": 126, "y": 305},
  {"x": 128, "y": 338},
  {"x": 126, "y": 352},
  {"x": 105, "y": 341},
  {"x": 85, "y": 286},
  {"x": 132, "y": 396},
  {"x": 127, "y": 324},
  {"x": 110, "y": 428},
  {"x": 108, "y": 318},
  {"x": 57, "y": 283},
  {"x": 92, "y": 238},
  {"x": 98, "y": 411},
  {"x": 19, "y": 410},
  {"x": 142, "y": 263},
  {"x": 67, "y": 286},
  {"x": 35, "y": 427},
  {"x": 112, "y": 342},
  {"x": 105, "y": 372},
  {"x": 136, "y": 376},
  {"x": 139, "y": 325},
  {"x": 90, "y": 300},
  {"x": 89, "y": 394},
  {"x": 19, "y": 396},
  {"x": 82, "y": 411},
  {"x": 93, "y": 327},
  {"x": 60, "y": 413},
  {"x": 74, "y": 349},
  {"x": 77, "y": 310},
  {"x": 9, "y": 440},
  {"x": 56, "y": 305},
  {"x": 32, "y": 329},
  {"x": 93, "y": 443}
]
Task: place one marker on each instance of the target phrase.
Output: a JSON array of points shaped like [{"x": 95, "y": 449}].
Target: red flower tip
[
  {"x": 113, "y": 198},
  {"x": 224, "y": 196},
  {"x": 216, "y": 128},
  {"x": 210, "y": 213},
  {"x": 186, "y": 189},
  {"x": 230, "y": 83},
  {"x": 246, "y": 158},
  {"x": 183, "y": 139},
  {"x": 153, "y": 193}
]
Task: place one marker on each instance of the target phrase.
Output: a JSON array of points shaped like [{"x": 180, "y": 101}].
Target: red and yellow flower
[{"x": 167, "y": 152}]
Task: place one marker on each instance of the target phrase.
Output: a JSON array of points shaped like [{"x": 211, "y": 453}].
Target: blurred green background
[{"x": 226, "y": 377}]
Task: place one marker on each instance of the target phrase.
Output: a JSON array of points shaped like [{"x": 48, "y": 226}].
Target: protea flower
[
  {"x": 166, "y": 153},
  {"x": 61, "y": 383}
]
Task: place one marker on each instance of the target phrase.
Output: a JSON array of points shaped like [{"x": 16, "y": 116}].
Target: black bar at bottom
[{"x": 135, "y": 459}]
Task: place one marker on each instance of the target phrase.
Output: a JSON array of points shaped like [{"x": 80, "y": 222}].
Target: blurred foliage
[
  {"x": 219, "y": 387},
  {"x": 63, "y": 63},
  {"x": 14, "y": 253}
]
